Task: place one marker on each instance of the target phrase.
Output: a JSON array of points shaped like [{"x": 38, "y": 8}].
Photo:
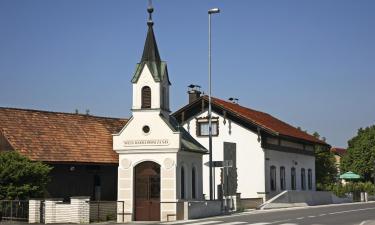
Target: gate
[
  {"x": 42, "y": 211},
  {"x": 14, "y": 210},
  {"x": 147, "y": 191}
]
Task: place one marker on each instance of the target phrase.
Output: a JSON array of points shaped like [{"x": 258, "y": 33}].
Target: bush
[
  {"x": 341, "y": 190},
  {"x": 21, "y": 178}
]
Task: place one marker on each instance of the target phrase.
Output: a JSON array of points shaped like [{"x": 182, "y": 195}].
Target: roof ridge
[
  {"x": 56, "y": 112},
  {"x": 236, "y": 104}
]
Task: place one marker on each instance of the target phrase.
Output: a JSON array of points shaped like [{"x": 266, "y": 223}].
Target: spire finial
[{"x": 150, "y": 9}]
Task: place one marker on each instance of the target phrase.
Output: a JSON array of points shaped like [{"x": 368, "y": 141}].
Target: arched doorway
[{"x": 147, "y": 191}]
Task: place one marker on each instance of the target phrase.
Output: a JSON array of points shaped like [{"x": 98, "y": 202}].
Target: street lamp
[{"x": 210, "y": 12}]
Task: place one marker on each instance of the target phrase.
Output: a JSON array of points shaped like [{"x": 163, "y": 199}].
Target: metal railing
[
  {"x": 105, "y": 210},
  {"x": 14, "y": 210}
]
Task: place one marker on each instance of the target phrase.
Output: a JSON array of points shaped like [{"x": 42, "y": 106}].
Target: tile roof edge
[{"x": 55, "y": 112}]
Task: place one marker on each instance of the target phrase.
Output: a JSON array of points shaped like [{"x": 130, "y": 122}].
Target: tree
[
  {"x": 20, "y": 177},
  {"x": 361, "y": 153},
  {"x": 325, "y": 168}
]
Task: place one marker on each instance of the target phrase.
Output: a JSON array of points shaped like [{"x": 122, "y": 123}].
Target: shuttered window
[{"x": 146, "y": 97}]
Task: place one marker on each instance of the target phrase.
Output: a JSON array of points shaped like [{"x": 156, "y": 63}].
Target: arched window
[
  {"x": 146, "y": 97},
  {"x": 193, "y": 183},
  {"x": 273, "y": 178},
  {"x": 182, "y": 183},
  {"x": 293, "y": 178},
  {"x": 309, "y": 178},
  {"x": 282, "y": 178},
  {"x": 303, "y": 179}
]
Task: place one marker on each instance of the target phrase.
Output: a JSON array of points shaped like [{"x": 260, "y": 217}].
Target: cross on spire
[
  {"x": 150, "y": 51},
  {"x": 150, "y": 10}
]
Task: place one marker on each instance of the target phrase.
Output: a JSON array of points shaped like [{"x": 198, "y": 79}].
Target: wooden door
[{"x": 147, "y": 192}]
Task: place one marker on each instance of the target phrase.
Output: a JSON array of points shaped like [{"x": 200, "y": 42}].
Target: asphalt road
[
  {"x": 345, "y": 214},
  {"x": 348, "y": 214}
]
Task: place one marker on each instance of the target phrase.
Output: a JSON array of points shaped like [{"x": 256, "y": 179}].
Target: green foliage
[
  {"x": 360, "y": 155},
  {"x": 20, "y": 177},
  {"x": 325, "y": 168},
  {"x": 340, "y": 190}
]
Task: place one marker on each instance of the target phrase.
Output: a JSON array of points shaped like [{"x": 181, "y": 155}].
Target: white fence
[{"x": 79, "y": 210}]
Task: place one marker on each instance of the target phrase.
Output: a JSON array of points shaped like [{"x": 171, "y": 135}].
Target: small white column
[
  {"x": 80, "y": 208},
  {"x": 34, "y": 211},
  {"x": 50, "y": 210}
]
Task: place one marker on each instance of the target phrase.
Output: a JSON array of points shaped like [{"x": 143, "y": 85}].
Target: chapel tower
[
  {"x": 160, "y": 164},
  {"x": 150, "y": 80}
]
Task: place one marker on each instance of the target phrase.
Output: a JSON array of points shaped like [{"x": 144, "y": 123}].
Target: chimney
[
  {"x": 194, "y": 92},
  {"x": 233, "y": 100}
]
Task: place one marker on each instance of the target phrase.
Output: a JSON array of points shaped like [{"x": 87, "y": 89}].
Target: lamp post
[{"x": 210, "y": 12}]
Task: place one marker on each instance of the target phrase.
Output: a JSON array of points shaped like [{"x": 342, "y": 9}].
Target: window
[
  {"x": 203, "y": 128},
  {"x": 273, "y": 178},
  {"x": 182, "y": 183},
  {"x": 193, "y": 184},
  {"x": 293, "y": 178},
  {"x": 282, "y": 178},
  {"x": 303, "y": 179},
  {"x": 309, "y": 178},
  {"x": 146, "y": 97}
]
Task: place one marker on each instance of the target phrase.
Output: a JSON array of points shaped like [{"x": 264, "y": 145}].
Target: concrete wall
[
  {"x": 303, "y": 198},
  {"x": 250, "y": 203},
  {"x": 55, "y": 211},
  {"x": 250, "y": 155},
  {"x": 201, "y": 209}
]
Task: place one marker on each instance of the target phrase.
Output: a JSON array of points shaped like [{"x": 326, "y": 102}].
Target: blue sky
[{"x": 309, "y": 63}]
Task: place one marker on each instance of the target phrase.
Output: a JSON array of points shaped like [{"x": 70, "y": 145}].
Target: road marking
[
  {"x": 324, "y": 214},
  {"x": 288, "y": 224},
  {"x": 205, "y": 222},
  {"x": 192, "y": 222},
  {"x": 300, "y": 218},
  {"x": 353, "y": 210},
  {"x": 234, "y": 223},
  {"x": 258, "y": 223},
  {"x": 363, "y": 222},
  {"x": 311, "y": 216}
]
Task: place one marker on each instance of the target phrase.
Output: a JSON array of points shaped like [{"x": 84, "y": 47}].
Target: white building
[
  {"x": 160, "y": 164},
  {"x": 269, "y": 155}
]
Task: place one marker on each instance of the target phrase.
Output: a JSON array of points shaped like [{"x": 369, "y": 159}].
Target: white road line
[
  {"x": 323, "y": 214},
  {"x": 204, "y": 222},
  {"x": 353, "y": 210},
  {"x": 233, "y": 223},
  {"x": 300, "y": 218},
  {"x": 288, "y": 224},
  {"x": 258, "y": 223},
  {"x": 311, "y": 216},
  {"x": 191, "y": 222},
  {"x": 363, "y": 222}
]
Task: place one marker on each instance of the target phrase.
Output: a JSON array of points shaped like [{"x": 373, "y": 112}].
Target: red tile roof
[
  {"x": 257, "y": 118},
  {"x": 339, "y": 151},
  {"x": 60, "y": 137},
  {"x": 265, "y": 121}
]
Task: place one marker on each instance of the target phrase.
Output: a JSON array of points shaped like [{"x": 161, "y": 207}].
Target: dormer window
[{"x": 146, "y": 97}]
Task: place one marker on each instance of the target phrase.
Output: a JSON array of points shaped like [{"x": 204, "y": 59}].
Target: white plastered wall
[
  {"x": 250, "y": 156},
  {"x": 289, "y": 160},
  {"x": 190, "y": 160}
]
